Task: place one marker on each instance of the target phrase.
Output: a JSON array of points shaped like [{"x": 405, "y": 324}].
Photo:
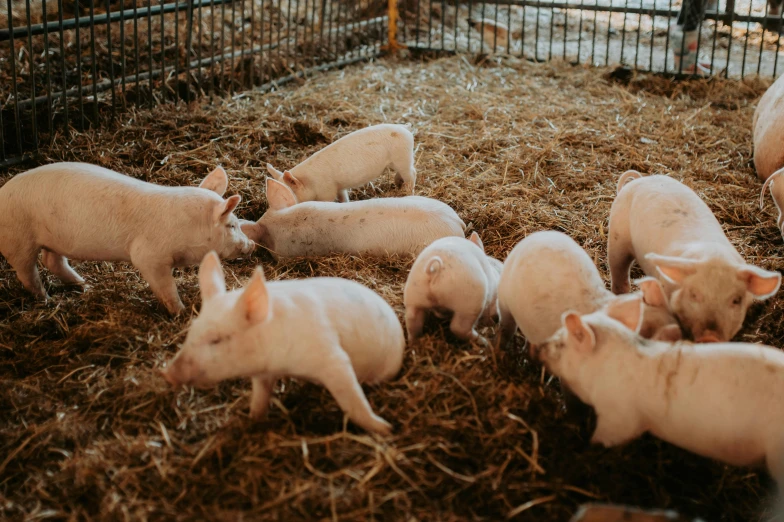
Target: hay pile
[{"x": 88, "y": 428}]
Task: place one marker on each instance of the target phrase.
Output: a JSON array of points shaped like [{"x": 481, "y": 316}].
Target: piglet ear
[
  {"x": 275, "y": 173},
  {"x": 579, "y": 334},
  {"x": 673, "y": 269},
  {"x": 761, "y": 283},
  {"x": 475, "y": 239},
  {"x": 627, "y": 309},
  {"x": 224, "y": 209},
  {"x": 216, "y": 181},
  {"x": 211, "y": 280},
  {"x": 290, "y": 180},
  {"x": 254, "y": 302},
  {"x": 279, "y": 196},
  {"x": 652, "y": 292}
]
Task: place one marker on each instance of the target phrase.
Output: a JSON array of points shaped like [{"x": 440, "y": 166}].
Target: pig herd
[{"x": 656, "y": 360}]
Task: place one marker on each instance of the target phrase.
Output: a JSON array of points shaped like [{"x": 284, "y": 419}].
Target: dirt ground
[{"x": 90, "y": 431}]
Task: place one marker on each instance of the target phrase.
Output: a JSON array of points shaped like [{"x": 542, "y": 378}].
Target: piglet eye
[
  {"x": 737, "y": 300},
  {"x": 216, "y": 340}
]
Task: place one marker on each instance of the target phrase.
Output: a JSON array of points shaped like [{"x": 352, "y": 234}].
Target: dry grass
[{"x": 89, "y": 430}]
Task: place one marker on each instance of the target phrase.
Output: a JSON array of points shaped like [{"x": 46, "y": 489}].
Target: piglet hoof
[
  {"x": 482, "y": 341},
  {"x": 380, "y": 426},
  {"x": 258, "y": 414},
  {"x": 175, "y": 308}
]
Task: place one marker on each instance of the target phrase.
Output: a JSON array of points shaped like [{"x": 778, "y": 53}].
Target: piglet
[
  {"x": 548, "y": 273},
  {"x": 375, "y": 227},
  {"x": 452, "y": 276},
  {"x": 81, "y": 211},
  {"x": 721, "y": 400},
  {"x": 330, "y": 331},
  {"x": 777, "y": 192},
  {"x": 768, "y": 131},
  {"x": 353, "y": 161},
  {"x": 675, "y": 237}
]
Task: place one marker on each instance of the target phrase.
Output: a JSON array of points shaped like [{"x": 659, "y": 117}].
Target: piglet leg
[
  {"x": 260, "y": 396},
  {"x": 339, "y": 378},
  {"x": 616, "y": 429},
  {"x": 343, "y": 196},
  {"x": 58, "y": 265},
  {"x": 462, "y": 325},
  {"x": 415, "y": 321},
  {"x": 506, "y": 328},
  {"x": 24, "y": 262},
  {"x": 159, "y": 276}
]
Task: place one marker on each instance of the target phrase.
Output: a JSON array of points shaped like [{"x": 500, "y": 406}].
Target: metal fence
[
  {"x": 736, "y": 38},
  {"x": 72, "y": 64}
]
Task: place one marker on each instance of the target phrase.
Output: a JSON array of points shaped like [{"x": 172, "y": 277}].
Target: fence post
[{"x": 393, "y": 15}]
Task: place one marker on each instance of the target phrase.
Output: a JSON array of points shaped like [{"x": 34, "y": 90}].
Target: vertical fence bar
[
  {"x": 94, "y": 60},
  {"x": 263, "y": 64},
  {"x": 211, "y": 87},
  {"x": 667, "y": 37},
  {"x": 509, "y": 27},
  {"x": 79, "y": 69},
  {"x": 443, "y": 25},
  {"x": 242, "y": 44},
  {"x": 470, "y": 15},
  {"x": 482, "y": 30},
  {"x": 536, "y": 34},
  {"x": 252, "y": 42},
  {"x": 609, "y": 29},
  {"x": 111, "y": 59},
  {"x": 729, "y": 44},
  {"x": 199, "y": 78},
  {"x": 593, "y": 35},
  {"x": 31, "y": 58},
  {"x": 176, "y": 52},
  {"x": 14, "y": 85},
  {"x": 188, "y": 49},
  {"x": 149, "y": 50},
  {"x": 715, "y": 37},
  {"x": 48, "y": 66},
  {"x": 745, "y": 45},
  {"x": 232, "y": 64},
  {"x": 123, "y": 65},
  {"x": 495, "y": 31},
  {"x": 778, "y": 43},
  {"x": 623, "y": 32},
  {"x": 762, "y": 41},
  {"x": 418, "y": 16},
  {"x": 163, "y": 52},
  {"x": 62, "y": 65},
  {"x": 653, "y": 36},
  {"x": 137, "y": 64},
  {"x": 637, "y": 41},
  {"x": 430, "y": 24},
  {"x": 222, "y": 49},
  {"x": 580, "y": 32},
  {"x": 566, "y": 25}
]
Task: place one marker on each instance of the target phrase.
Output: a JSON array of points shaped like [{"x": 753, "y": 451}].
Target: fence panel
[{"x": 72, "y": 64}]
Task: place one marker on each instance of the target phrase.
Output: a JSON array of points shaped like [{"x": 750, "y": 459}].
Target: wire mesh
[
  {"x": 732, "y": 38},
  {"x": 73, "y": 64}
]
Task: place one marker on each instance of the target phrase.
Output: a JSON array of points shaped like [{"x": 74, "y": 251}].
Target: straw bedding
[{"x": 89, "y": 429}]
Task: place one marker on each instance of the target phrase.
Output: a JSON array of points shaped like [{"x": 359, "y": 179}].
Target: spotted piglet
[{"x": 719, "y": 400}]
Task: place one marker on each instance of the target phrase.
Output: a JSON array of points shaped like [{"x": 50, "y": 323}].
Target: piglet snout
[
  {"x": 709, "y": 337},
  {"x": 168, "y": 374}
]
